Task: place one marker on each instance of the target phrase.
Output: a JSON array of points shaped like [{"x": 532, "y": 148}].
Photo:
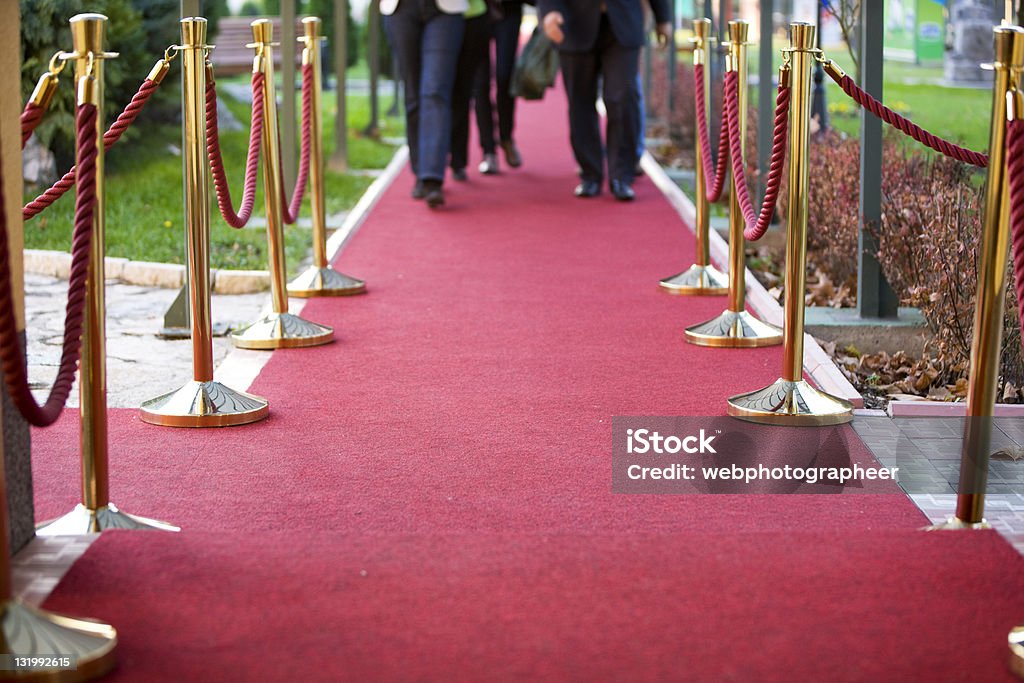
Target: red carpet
[
  {"x": 455, "y": 443},
  {"x": 893, "y": 606}
]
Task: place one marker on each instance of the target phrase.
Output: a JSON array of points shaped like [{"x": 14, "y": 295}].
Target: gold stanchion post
[
  {"x": 702, "y": 278},
  {"x": 29, "y": 632},
  {"x": 320, "y": 279},
  {"x": 990, "y": 301},
  {"x": 790, "y": 400},
  {"x": 735, "y": 327},
  {"x": 278, "y": 328},
  {"x": 201, "y": 402},
  {"x": 95, "y": 513}
]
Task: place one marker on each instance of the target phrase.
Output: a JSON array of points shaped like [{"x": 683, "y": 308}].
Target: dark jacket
[{"x": 583, "y": 19}]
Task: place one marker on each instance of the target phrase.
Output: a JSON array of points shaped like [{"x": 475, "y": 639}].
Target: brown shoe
[{"x": 512, "y": 157}]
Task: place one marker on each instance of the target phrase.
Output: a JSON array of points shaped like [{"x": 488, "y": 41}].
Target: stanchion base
[
  {"x": 1016, "y": 642},
  {"x": 282, "y": 331},
  {"x": 31, "y": 632},
  {"x": 734, "y": 329},
  {"x": 795, "y": 404},
  {"x": 204, "y": 404},
  {"x": 956, "y": 524},
  {"x": 325, "y": 282},
  {"x": 83, "y": 520},
  {"x": 697, "y": 281}
]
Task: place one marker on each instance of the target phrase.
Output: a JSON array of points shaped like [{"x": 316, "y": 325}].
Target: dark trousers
[
  {"x": 506, "y": 43},
  {"x": 426, "y": 42},
  {"x": 475, "y": 45},
  {"x": 617, "y": 68}
]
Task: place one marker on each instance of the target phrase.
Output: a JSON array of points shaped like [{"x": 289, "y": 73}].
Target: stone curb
[
  {"x": 147, "y": 273},
  {"x": 817, "y": 364}
]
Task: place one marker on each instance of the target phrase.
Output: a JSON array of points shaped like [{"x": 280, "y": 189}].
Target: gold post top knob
[
  {"x": 801, "y": 35},
  {"x": 87, "y": 32},
  {"x": 1009, "y": 45},
  {"x": 193, "y": 32},
  {"x": 701, "y": 28},
  {"x": 262, "y": 31},
  {"x": 738, "y": 31},
  {"x": 311, "y": 25}
]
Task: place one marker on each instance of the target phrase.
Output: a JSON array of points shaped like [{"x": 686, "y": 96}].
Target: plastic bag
[{"x": 536, "y": 68}]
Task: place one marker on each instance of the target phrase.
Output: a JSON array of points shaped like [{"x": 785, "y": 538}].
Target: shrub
[
  {"x": 928, "y": 248},
  {"x": 928, "y": 241},
  {"x": 45, "y": 30},
  {"x": 679, "y": 124}
]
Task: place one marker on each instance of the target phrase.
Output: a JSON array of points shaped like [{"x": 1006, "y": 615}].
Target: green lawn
[
  {"x": 144, "y": 196},
  {"x": 960, "y": 115}
]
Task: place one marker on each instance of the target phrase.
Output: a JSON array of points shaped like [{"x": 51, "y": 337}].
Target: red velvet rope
[
  {"x": 30, "y": 118},
  {"x": 906, "y": 126},
  {"x": 756, "y": 223},
  {"x": 1015, "y": 170},
  {"x": 291, "y": 210},
  {"x": 11, "y": 352},
  {"x": 712, "y": 189},
  {"x": 113, "y": 134},
  {"x": 252, "y": 161}
]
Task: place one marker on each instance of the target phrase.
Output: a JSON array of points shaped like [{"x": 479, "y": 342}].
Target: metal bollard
[
  {"x": 790, "y": 400},
  {"x": 735, "y": 327},
  {"x": 320, "y": 279},
  {"x": 201, "y": 402},
  {"x": 95, "y": 513},
  {"x": 701, "y": 278},
  {"x": 278, "y": 328},
  {"x": 990, "y": 301}
]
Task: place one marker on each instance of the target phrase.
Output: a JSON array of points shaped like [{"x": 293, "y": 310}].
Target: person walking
[
  {"x": 472, "y": 57},
  {"x": 505, "y": 32},
  {"x": 601, "y": 39},
  {"x": 426, "y": 36}
]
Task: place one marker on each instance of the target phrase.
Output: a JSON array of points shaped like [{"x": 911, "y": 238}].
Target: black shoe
[
  {"x": 622, "y": 190},
  {"x": 489, "y": 166},
  {"x": 459, "y": 174},
  {"x": 512, "y": 156},
  {"x": 433, "y": 193},
  {"x": 588, "y": 189},
  {"x": 418, "y": 192}
]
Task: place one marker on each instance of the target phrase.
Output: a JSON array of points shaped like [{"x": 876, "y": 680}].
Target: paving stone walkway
[{"x": 140, "y": 365}]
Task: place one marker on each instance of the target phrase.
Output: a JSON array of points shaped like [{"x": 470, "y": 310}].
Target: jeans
[
  {"x": 506, "y": 43},
  {"x": 426, "y": 43}
]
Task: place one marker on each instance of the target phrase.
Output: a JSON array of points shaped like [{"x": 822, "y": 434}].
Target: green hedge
[{"x": 139, "y": 30}]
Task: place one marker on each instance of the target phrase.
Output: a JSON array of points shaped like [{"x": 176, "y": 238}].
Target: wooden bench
[{"x": 232, "y": 57}]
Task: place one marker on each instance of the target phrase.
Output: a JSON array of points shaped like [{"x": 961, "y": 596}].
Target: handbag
[{"x": 536, "y": 67}]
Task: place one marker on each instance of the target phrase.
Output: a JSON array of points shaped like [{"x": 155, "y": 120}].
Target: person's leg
[
  {"x": 482, "y": 99},
  {"x": 477, "y": 35},
  {"x": 579, "y": 72},
  {"x": 506, "y": 43},
  {"x": 619, "y": 67},
  {"x": 403, "y": 30},
  {"x": 641, "y": 145},
  {"x": 439, "y": 51}
]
